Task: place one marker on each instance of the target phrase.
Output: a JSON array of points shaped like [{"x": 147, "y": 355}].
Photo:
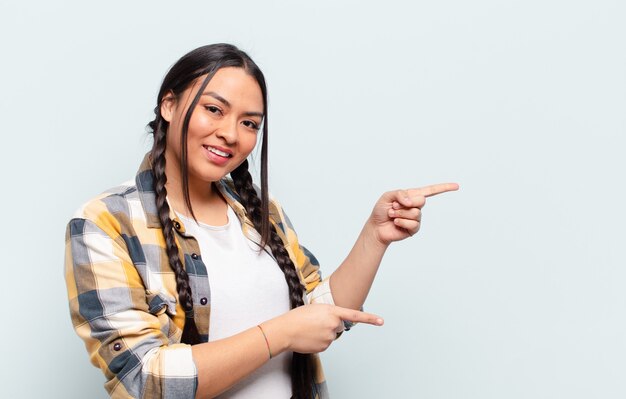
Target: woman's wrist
[
  {"x": 276, "y": 336},
  {"x": 371, "y": 238},
  {"x": 267, "y": 342}
]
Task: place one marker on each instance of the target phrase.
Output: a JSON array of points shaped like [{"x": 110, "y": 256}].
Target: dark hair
[{"x": 207, "y": 60}]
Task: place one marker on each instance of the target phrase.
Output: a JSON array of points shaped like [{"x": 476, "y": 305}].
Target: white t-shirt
[{"x": 247, "y": 288}]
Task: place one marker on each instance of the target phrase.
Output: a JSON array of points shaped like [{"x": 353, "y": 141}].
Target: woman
[{"x": 140, "y": 256}]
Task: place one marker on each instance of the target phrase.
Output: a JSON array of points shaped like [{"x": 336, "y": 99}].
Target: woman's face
[{"x": 223, "y": 126}]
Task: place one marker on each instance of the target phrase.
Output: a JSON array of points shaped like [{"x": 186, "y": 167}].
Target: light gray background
[{"x": 514, "y": 288}]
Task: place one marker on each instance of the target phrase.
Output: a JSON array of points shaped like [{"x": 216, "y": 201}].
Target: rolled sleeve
[{"x": 321, "y": 293}]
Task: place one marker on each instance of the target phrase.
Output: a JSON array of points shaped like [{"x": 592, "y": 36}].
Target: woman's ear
[{"x": 168, "y": 104}]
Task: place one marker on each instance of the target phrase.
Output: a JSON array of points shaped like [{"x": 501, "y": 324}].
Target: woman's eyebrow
[
  {"x": 259, "y": 114},
  {"x": 217, "y": 97},
  {"x": 226, "y": 103}
]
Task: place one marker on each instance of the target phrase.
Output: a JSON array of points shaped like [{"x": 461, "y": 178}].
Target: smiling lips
[
  {"x": 218, "y": 151},
  {"x": 217, "y": 155}
]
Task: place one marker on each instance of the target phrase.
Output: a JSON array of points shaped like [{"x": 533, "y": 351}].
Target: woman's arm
[
  {"x": 307, "y": 329},
  {"x": 396, "y": 216}
]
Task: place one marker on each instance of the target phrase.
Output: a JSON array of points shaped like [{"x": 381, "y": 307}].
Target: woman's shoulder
[{"x": 120, "y": 200}]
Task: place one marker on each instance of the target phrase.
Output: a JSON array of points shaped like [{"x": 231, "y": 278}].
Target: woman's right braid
[
  {"x": 190, "y": 331},
  {"x": 303, "y": 368}
]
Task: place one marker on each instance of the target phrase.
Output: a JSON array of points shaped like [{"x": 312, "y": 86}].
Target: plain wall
[{"x": 514, "y": 287}]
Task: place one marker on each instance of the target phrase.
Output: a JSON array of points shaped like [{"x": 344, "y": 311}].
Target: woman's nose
[{"x": 228, "y": 131}]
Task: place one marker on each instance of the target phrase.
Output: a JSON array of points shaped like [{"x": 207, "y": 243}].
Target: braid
[
  {"x": 190, "y": 331},
  {"x": 302, "y": 366}
]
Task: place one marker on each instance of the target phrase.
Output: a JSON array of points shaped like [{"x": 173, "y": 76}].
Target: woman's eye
[
  {"x": 251, "y": 125},
  {"x": 213, "y": 109}
]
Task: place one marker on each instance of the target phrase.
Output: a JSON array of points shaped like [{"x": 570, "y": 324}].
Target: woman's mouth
[
  {"x": 218, "y": 156},
  {"x": 218, "y": 151}
]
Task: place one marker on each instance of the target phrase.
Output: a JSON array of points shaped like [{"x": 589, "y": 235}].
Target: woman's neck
[{"x": 206, "y": 201}]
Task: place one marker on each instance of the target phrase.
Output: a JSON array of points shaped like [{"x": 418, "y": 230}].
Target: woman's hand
[
  {"x": 311, "y": 328},
  {"x": 398, "y": 214}
]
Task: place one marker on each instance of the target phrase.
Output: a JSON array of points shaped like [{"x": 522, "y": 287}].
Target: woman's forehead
[{"x": 231, "y": 85}]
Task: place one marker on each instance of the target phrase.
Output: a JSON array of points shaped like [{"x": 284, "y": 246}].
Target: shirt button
[
  {"x": 117, "y": 346},
  {"x": 203, "y": 301},
  {"x": 194, "y": 256}
]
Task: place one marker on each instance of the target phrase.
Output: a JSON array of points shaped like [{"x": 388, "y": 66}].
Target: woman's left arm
[{"x": 396, "y": 216}]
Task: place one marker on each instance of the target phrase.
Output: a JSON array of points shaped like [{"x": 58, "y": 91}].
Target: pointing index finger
[
  {"x": 435, "y": 189},
  {"x": 356, "y": 316}
]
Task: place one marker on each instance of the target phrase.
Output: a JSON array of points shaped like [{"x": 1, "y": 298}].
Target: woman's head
[
  {"x": 222, "y": 129},
  {"x": 210, "y": 106}
]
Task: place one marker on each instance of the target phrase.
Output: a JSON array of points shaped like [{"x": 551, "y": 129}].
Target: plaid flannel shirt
[{"x": 122, "y": 290}]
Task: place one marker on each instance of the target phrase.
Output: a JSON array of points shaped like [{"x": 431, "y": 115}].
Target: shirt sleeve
[{"x": 125, "y": 337}]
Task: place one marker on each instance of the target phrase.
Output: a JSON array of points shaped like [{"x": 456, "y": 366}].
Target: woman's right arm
[
  {"x": 306, "y": 329},
  {"x": 126, "y": 338}
]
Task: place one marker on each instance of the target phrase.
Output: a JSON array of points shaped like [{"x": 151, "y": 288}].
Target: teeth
[{"x": 218, "y": 152}]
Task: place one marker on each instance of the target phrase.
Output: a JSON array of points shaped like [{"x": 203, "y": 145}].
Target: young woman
[{"x": 189, "y": 281}]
